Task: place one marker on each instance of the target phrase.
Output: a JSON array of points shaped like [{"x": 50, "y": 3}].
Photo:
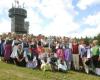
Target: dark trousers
[{"x": 95, "y": 61}]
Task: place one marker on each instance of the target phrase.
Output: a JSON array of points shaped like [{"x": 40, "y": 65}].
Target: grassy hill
[{"x": 12, "y": 72}]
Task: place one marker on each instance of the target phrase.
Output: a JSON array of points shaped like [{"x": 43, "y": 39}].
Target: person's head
[
  {"x": 9, "y": 35},
  {"x": 62, "y": 61},
  {"x": 13, "y": 35},
  {"x": 95, "y": 42},
  {"x": 19, "y": 46},
  {"x": 87, "y": 43},
  {"x": 24, "y": 35},
  {"x": 74, "y": 41},
  {"x": 4, "y": 35},
  {"x": 82, "y": 41}
]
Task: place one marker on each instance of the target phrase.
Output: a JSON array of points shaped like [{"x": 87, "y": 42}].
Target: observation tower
[{"x": 18, "y": 15}]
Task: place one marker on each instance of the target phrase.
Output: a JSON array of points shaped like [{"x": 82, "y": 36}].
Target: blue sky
[{"x": 72, "y": 18}]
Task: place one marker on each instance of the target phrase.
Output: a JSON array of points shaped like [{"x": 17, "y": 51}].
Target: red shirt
[
  {"x": 40, "y": 49},
  {"x": 74, "y": 48}
]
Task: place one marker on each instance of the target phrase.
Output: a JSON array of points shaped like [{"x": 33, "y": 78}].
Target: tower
[{"x": 18, "y": 15}]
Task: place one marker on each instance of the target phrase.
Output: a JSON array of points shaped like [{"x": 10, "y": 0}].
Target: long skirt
[
  {"x": 32, "y": 64},
  {"x": 95, "y": 61},
  {"x": 22, "y": 63},
  {"x": 8, "y": 50}
]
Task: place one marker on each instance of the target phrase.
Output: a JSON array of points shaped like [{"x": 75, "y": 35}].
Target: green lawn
[{"x": 12, "y": 72}]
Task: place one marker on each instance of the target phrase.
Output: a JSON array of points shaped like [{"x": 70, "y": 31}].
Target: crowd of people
[{"x": 49, "y": 53}]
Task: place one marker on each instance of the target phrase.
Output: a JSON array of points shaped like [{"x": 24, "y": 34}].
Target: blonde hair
[{"x": 95, "y": 42}]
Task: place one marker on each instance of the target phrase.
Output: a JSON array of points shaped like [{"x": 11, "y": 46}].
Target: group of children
[{"x": 49, "y": 53}]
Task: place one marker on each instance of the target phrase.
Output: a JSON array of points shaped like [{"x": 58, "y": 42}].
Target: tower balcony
[{"x": 17, "y": 11}]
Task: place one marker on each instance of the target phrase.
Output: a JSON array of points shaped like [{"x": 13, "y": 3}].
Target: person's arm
[
  {"x": 13, "y": 43},
  {"x": 26, "y": 59},
  {"x": 24, "y": 55},
  {"x": 16, "y": 56},
  {"x": 34, "y": 59},
  {"x": 79, "y": 49},
  {"x": 88, "y": 53},
  {"x": 65, "y": 64}
]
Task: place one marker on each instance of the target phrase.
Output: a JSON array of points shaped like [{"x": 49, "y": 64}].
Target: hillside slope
[{"x": 12, "y": 72}]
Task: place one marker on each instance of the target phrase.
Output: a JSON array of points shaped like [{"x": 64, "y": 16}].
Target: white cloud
[
  {"x": 84, "y": 4},
  {"x": 92, "y": 20},
  {"x": 5, "y": 26},
  {"x": 63, "y": 21}
]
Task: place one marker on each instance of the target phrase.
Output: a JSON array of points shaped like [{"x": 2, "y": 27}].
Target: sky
[{"x": 71, "y": 18}]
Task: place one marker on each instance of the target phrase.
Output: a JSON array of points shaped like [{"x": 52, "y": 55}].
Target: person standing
[
  {"x": 8, "y": 49},
  {"x": 75, "y": 54},
  {"x": 95, "y": 51},
  {"x": 68, "y": 56}
]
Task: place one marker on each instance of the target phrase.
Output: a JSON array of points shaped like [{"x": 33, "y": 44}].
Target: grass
[{"x": 12, "y": 72}]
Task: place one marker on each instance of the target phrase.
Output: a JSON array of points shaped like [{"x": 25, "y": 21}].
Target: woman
[
  {"x": 68, "y": 56},
  {"x": 45, "y": 60},
  {"x": 85, "y": 54},
  {"x": 8, "y": 49},
  {"x": 75, "y": 54},
  {"x": 87, "y": 57},
  {"x": 62, "y": 65},
  {"x": 60, "y": 53},
  {"x": 20, "y": 56},
  {"x": 40, "y": 51},
  {"x": 15, "y": 44},
  {"x": 25, "y": 44},
  {"x": 95, "y": 51},
  {"x": 82, "y": 51},
  {"x": 31, "y": 60}
]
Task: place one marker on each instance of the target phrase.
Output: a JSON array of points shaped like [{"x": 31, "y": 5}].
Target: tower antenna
[
  {"x": 15, "y": 3},
  {"x": 12, "y": 5},
  {"x": 23, "y": 5}
]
